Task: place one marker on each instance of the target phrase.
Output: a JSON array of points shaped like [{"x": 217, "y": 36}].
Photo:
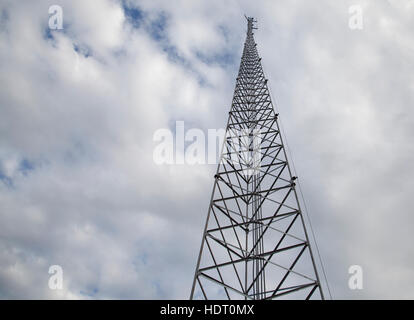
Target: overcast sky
[{"x": 79, "y": 107}]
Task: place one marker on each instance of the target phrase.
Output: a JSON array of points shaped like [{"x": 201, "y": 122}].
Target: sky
[{"x": 79, "y": 106}]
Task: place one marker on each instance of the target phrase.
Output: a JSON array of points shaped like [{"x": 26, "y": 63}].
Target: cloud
[{"x": 79, "y": 106}]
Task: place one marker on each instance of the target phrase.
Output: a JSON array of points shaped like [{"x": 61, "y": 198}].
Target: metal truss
[{"x": 255, "y": 244}]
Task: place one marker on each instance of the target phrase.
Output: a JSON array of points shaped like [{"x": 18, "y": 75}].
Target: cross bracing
[{"x": 255, "y": 244}]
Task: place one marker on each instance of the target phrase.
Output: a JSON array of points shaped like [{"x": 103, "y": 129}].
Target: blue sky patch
[
  {"x": 5, "y": 179},
  {"x": 155, "y": 27},
  {"x": 222, "y": 59},
  {"x": 26, "y": 166},
  {"x": 89, "y": 293},
  {"x": 82, "y": 49},
  {"x": 134, "y": 15}
]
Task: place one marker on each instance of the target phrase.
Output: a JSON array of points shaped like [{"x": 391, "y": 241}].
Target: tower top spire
[{"x": 250, "y": 24}]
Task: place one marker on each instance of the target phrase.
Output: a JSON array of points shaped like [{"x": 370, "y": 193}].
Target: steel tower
[{"x": 255, "y": 244}]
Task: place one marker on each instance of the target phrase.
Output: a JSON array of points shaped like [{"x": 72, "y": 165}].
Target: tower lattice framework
[{"x": 255, "y": 244}]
